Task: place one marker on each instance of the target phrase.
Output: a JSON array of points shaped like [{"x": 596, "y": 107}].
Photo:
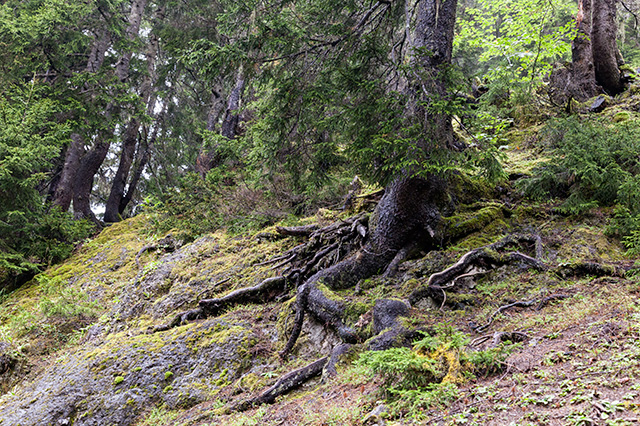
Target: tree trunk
[
  {"x": 64, "y": 189},
  {"x": 116, "y": 201},
  {"x": 606, "y": 56},
  {"x": 229, "y": 127},
  {"x": 129, "y": 142},
  {"x": 142, "y": 156},
  {"x": 83, "y": 183},
  {"x": 410, "y": 209},
  {"x": 212, "y": 157},
  {"x": 583, "y": 77},
  {"x": 135, "y": 19},
  {"x": 430, "y": 51}
]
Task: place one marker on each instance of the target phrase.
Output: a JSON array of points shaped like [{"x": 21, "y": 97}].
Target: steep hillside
[{"x": 524, "y": 315}]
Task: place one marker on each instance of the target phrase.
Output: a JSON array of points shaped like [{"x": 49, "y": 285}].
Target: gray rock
[
  {"x": 116, "y": 381},
  {"x": 386, "y": 313}
]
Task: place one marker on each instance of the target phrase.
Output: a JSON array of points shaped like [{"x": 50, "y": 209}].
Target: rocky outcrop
[{"x": 115, "y": 381}]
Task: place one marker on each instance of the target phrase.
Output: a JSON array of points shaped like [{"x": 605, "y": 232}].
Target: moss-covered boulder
[{"x": 116, "y": 380}]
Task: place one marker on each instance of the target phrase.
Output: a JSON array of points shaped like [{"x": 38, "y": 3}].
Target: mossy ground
[{"x": 580, "y": 363}]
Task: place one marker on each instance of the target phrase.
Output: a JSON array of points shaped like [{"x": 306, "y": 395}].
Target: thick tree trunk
[
  {"x": 117, "y": 202},
  {"x": 430, "y": 51},
  {"x": 63, "y": 190},
  {"x": 63, "y": 194},
  {"x": 595, "y": 58},
  {"x": 583, "y": 77},
  {"x": 229, "y": 127},
  {"x": 83, "y": 183},
  {"x": 606, "y": 56},
  {"x": 410, "y": 209}
]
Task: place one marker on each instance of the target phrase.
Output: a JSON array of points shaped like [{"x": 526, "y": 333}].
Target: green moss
[
  {"x": 468, "y": 189},
  {"x": 117, "y": 380},
  {"x": 621, "y": 116},
  {"x": 284, "y": 322},
  {"x": 250, "y": 382},
  {"x": 461, "y": 298},
  {"x": 168, "y": 375},
  {"x": 465, "y": 223}
]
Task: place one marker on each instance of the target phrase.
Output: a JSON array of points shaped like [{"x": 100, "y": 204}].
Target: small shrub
[
  {"x": 426, "y": 376},
  {"x": 593, "y": 164}
]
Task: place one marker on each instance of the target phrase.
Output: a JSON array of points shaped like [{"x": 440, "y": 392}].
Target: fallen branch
[{"x": 488, "y": 256}]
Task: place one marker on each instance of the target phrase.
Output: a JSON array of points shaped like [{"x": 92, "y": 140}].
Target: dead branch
[
  {"x": 521, "y": 304},
  {"x": 486, "y": 256}
]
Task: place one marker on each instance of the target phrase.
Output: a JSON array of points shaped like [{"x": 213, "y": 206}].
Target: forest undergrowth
[{"x": 526, "y": 312}]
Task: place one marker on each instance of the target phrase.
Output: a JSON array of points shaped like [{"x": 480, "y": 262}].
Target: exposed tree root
[
  {"x": 522, "y": 304},
  {"x": 486, "y": 257},
  {"x": 400, "y": 257},
  {"x": 297, "y": 231},
  {"x": 284, "y": 384},
  {"x": 477, "y": 262},
  {"x": 266, "y": 290},
  {"x": 325, "y": 246},
  {"x": 168, "y": 244}
]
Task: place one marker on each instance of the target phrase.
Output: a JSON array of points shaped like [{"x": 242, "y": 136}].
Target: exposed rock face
[{"x": 116, "y": 381}]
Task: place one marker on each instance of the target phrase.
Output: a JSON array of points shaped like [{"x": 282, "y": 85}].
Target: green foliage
[
  {"x": 511, "y": 45},
  {"x": 197, "y": 207},
  {"x": 594, "y": 163},
  {"x": 32, "y": 234},
  {"x": 426, "y": 376},
  {"x": 61, "y": 300}
]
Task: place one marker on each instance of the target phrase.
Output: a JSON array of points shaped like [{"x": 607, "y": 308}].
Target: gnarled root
[
  {"x": 284, "y": 384},
  {"x": 210, "y": 307}
]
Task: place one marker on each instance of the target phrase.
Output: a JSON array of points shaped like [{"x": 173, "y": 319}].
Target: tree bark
[
  {"x": 135, "y": 19},
  {"x": 63, "y": 194},
  {"x": 83, "y": 183},
  {"x": 583, "y": 77},
  {"x": 117, "y": 202},
  {"x": 129, "y": 142},
  {"x": 410, "y": 209},
  {"x": 142, "y": 156},
  {"x": 63, "y": 190},
  {"x": 606, "y": 55},
  {"x": 212, "y": 157},
  {"x": 430, "y": 52}
]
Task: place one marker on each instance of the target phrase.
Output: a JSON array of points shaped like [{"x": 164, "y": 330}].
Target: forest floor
[{"x": 76, "y": 347}]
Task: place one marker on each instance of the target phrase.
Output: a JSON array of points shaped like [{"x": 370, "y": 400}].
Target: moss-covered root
[
  {"x": 316, "y": 299},
  {"x": 284, "y": 384},
  {"x": 487, "y": 256},
  {"x": 262, "y": 292}
]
